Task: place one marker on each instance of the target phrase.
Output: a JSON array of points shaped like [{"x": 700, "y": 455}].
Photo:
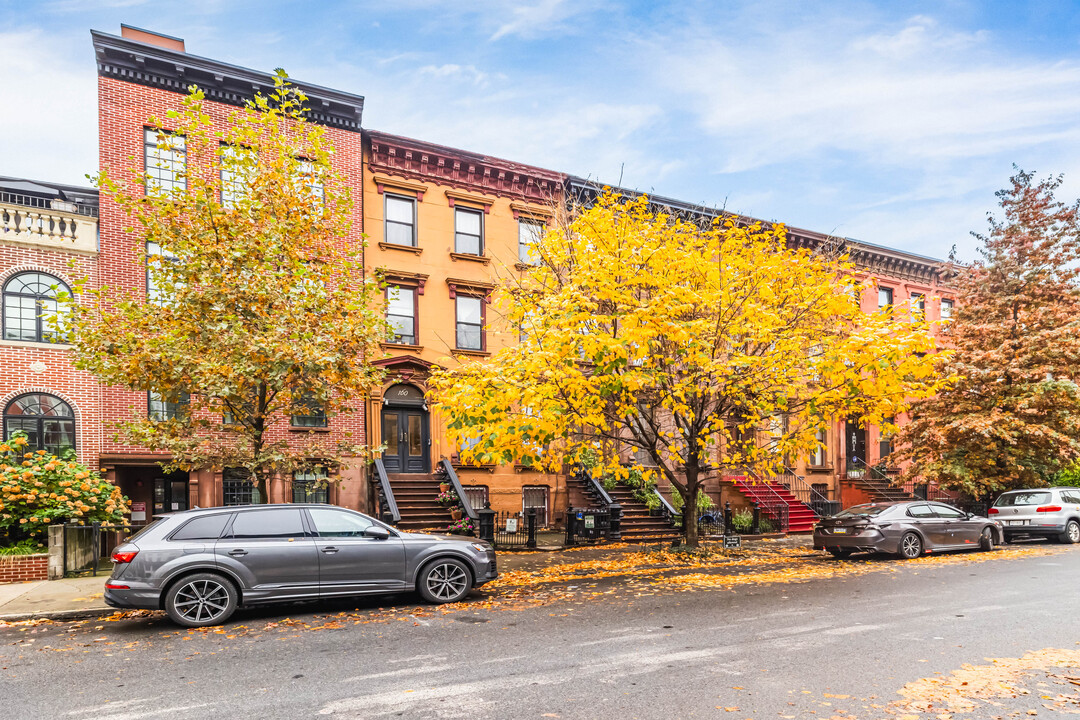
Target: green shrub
[{"x": 742, "y": 520}]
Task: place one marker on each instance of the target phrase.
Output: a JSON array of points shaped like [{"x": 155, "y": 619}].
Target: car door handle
[
  {"x": 237, "y": 553},
  {"x": 330, "y": 550}
]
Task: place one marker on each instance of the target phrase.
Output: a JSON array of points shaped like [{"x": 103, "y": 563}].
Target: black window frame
[
  {"x": 415, "y": 291},
  {"x": 460, "y": 210},
  {"x": 230, "y": 531},
  {"x": 148, "y": 168},
  {"x": 41, "y": 332},
  {"x": 170, "y": 409},
  {"x": 316, "y": 419},
  {"x": 889, "y": 293},
  {"x": 316, "y": 485},
  {"x": 237, "y": 489},
  {"x": 40, "y": 420},
  {"x": 387, "y": 197},
  {"x": 227, "y": 517}
]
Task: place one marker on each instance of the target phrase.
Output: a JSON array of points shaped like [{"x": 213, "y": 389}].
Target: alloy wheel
[
  {"x": 911, "y": 546},
  {"x": 447, "y": 582},
  {"x": 202, "y": 601},
  {"x": 1073, "y": 531}
]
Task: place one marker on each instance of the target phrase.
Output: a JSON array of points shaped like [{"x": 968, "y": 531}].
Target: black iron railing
[
  {"x": 597, "y": 491},
  {"x": 88, "y": 548},
  {"x": 507, "y": 530},
  {"x": 445, "y": 473},
  {"x": 388, "y": 509},
  {"x": 820, "y": 502}
]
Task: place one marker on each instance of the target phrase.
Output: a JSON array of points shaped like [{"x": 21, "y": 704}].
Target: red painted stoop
[{"x": 800, "y": 517}]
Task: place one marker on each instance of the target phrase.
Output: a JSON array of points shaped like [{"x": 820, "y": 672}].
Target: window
[
  {"x": 202, "y": 528},
  {"x": 166, "y": 160},
  {"x": 470, "y": 323},
  {"x": 946, "y": 310},
  {"x": 310, "y": 487},
  {"x": 1025, "y": 497},
  {"x": 401, "y": 313},
  {"x": 820, "y": 458},
  {"x": 155, "y": 268},
  {"x": 949, "y": 513},
  {"x": 529, "y": 234},
  {"x": 400, "y": 220},
  {"x": 268, "y": 524},
  {"x": 536, "y": 497},
  {"x": 237, "y": 171},
  {"x": 1070, "y": 496},
  {"x": 313, "y": 416},
  {"x": 921, "y": 511},
  {"x": 918, "y": 306},
  {"x": 310, "y": 178},
  {"x": 237, "y": 487},
  {"x": 477, "y": 495},
  {"x": 167, "y": 407},
  {"x": 885, "y": 447},
  {"x": 339, "y": 524},
  {"x": 884, "y": 297},
  {"x": 48, "y": 422},
  {"x": 468, "y": 232},
  {"x": 30, "y": 303}
]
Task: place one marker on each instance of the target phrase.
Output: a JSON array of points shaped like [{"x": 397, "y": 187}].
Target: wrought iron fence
[
  {"x": 507, "y": 530},
  {"x": 88, "y": 548}
]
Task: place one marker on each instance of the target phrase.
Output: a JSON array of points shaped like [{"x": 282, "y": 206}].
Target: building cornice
[
  {"x": 153, "y": 66},
  {"x": 461, "y": 170}
]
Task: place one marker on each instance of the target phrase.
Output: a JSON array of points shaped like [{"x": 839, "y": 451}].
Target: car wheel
[
  {"x": 200, "y": 600},
  {"x": 911, "y": 546},
  {"x": 444, "y": 581},
  {"x": 1072, "y": 533},
  {"x": 839, "y": 553},
  {"x": 986, "y": 539}
]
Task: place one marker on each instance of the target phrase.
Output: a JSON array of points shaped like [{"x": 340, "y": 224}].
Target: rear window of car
[
  {"x": 145, "y": 528},
  {"x": 202, "y": 528},
  {"x": 863, "y": 511},
  {"x": 1022, "y": 498}
]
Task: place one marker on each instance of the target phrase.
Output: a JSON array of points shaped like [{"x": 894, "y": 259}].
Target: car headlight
[{"x": 481, "y": 548}]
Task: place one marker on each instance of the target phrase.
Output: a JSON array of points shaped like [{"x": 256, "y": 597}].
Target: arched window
[
  {"x": 30, "y": 299},
  {"x": 48, "y": 422}
]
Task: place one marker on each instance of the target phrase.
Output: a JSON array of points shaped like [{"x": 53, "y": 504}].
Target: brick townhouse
[{"x": 443, "y": 226}]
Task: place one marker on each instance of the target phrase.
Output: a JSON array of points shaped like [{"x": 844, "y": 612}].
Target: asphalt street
[{"x": 841, "y": 647}]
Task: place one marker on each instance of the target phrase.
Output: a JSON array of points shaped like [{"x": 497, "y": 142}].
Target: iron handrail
[
  {"x": 812, "y": 493},
  {"x": 445, "y": 468},
  {"x": 597, "y": 488},
  {"x": 387, "y": 492},
  {"x": 38, "y": 203},
  {"x": 668, "y": 508}
]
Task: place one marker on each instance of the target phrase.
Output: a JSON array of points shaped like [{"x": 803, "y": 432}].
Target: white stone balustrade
[{"x": 52, "y": 227}]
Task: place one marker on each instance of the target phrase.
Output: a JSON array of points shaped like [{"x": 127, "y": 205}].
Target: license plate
[
  {"x": 839, "y": 531},
  {"x": 1017, "y": 522}
]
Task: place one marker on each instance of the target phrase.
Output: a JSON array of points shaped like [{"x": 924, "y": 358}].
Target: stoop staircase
[
  {"x": 767, "y": 492},
  {"x": 876, "y": 484},
  {"x": 415, "y": 494},
  {"x": 638, "y": 522}
]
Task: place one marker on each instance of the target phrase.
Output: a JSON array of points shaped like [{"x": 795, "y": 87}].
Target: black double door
[
  {"x": 855, "y": 442},
  {"x": 407, "y": 435}
]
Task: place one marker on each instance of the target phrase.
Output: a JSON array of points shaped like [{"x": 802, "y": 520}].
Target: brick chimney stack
[{"x": 152, "y": 38}]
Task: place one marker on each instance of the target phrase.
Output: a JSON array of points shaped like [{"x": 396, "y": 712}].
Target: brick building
[{"x": 443, "y": 226}]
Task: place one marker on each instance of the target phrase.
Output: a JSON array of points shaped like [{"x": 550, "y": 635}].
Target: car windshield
[
  {"x": 1022, "y": 498},
  {"x": 862, "y": 511}
]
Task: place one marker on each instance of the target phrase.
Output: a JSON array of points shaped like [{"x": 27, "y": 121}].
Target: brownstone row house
[{"x": 443, "y": 225}]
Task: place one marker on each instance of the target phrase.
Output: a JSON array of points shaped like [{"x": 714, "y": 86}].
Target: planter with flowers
[
  {"x": 461, "y": 527},
  {"x": 447, "y": 497}
]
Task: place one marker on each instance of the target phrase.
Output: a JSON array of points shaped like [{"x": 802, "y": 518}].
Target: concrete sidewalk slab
[{"x": 53, "y": 598}]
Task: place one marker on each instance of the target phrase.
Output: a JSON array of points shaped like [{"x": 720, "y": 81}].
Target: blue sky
[{"x": 890, "y": 122}]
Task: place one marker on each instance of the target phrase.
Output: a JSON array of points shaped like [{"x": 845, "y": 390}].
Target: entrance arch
[{"x": 406, "y": 430}]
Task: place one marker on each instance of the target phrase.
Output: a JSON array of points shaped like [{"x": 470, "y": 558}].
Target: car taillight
[
  {"x": 994, "y": 511},
  {"x": 112, "y": 586},
  {"x": 124, "y": 557},
  {"x": 1049, "y": 508}
]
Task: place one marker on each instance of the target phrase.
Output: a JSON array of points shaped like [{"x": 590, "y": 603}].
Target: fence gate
[
  {"x": 88, "y": 548},
  {"x": 505, "y": 530}
]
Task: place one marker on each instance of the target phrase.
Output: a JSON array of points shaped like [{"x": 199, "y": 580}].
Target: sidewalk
[{"x": 69, "y": 597}]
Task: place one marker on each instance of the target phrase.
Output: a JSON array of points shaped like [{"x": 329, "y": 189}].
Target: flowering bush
[
  {"x": 38, "y": 489},
  {"x": 447, "y": 497},
  {"x": 463, "y": 526}
]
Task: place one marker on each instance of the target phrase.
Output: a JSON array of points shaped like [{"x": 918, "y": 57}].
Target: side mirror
[
  {"x": 970, "y": 515},
  {"x": 377, "y": 532}
]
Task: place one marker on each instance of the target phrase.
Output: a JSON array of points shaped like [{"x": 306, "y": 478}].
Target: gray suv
[
  {"x": 1052, "y": 513},
  {"x": 200, "y": 565}
]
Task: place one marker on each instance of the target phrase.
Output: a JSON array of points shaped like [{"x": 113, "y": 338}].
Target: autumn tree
[
  {"x": 256, "y": 307},
  {"x": 674, "y": 350},
  {"x": 1012, "y": 418}
]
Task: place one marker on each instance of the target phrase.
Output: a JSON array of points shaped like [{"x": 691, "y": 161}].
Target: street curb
[{"x": 58, "y": 614}]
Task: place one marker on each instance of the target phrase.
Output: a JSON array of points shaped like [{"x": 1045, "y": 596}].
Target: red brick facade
[{"x": 23, "y": 568}]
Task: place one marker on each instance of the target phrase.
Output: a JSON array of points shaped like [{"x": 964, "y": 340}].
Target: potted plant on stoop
[
  {"x": 461, "y": 527},
  {"x": 447, "y": 497},
  {"x": 444, "y": 486}
]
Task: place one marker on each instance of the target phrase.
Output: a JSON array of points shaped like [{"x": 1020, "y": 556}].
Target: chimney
[{"x": 152, "y": 38}]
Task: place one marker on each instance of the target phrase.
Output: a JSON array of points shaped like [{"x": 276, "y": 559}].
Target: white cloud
[{"x": 48, "y": 123}]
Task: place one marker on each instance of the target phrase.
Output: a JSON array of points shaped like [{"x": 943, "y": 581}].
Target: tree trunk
[
  {"x": 689, "y": 508},
  {"x": 262, "y": 485}
]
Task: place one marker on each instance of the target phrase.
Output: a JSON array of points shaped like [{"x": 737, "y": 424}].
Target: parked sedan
[
  {"x": 200, "y": 565},
  {"x": 907, "y": 529},
  {"x": 1052, "y": 513}
]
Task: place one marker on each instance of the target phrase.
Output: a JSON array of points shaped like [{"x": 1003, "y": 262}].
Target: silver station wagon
[
  {"x": 200, "y": 565},
  {"x": 1052, "y": 513}
]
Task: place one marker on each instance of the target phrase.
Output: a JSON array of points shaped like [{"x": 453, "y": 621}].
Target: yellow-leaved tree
[{"x": 672, "y": 349}]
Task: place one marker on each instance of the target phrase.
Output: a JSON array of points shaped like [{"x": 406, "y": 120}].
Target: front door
[
  {"x": 171, "y": 493},
  {"x": 406, "y": 434},
  {"x": 855, "y": 445}
]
